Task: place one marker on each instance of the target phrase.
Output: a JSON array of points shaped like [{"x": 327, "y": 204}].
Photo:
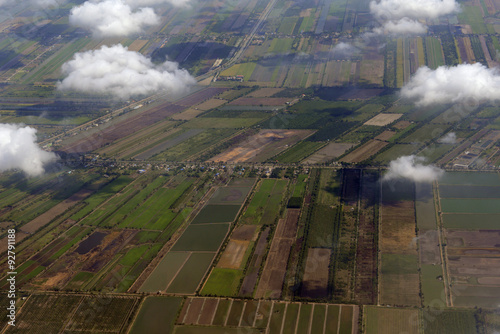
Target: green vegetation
[
  {"x": 298, "y": 152},
  {"x": 473, "y": 16},
  {"x": 157, "y": 314},
  {"x": 449, "y": 322},
  {"x": 191, "y": 274},
  {"x": 222, "y": 282},
  {"x": 202, "y": 238}
]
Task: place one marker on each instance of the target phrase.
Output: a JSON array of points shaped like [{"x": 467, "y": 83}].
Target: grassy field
[
  {"x": 471, "y": 205},
  {"x": 476, "y": 179},
  {"x": 157, "y": 314},
  {"x": 449, "y": 322},
  {"x": 265, "y": 204},
  {"x": 202, "y": 238},
  {"x": 222, "y": 282},
  {"x": 245, "y": 69},
  {"x": 434, "y": 52},
  {"x": 298, "y": 152},
  {"x": 164, "y": 272},
  {"x": 472, "y": 221},
  {"x": 473, "y": 16},
  {"x": 191, "y": 274},
  {"x": 379, "y": 320},
  {"x": 432, "y": 284},
  {"x": 216, "y": 213}
]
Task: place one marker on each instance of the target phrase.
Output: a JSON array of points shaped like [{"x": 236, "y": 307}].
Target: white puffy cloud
[
  {"x": 345, "y": 49},
  {"x": 142, "y": 3},
  {"x": 415, "y": 9},
  {"x": 18, "y": 149},
  {"x": 402, "y": 16},
  {"x": 122, "y": 73},
  {"x": 404, "y": 26},
  {"x": 112, "y": 18},
  {"x": 449, "y": 138},
  {"x": 410, "y": 167},
  {"x": 455, "y": 84}
]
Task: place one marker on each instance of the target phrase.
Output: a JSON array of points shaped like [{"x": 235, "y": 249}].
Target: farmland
[{"x": 253, "y": 201}]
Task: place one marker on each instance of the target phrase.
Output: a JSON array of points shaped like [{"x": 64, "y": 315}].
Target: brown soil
[
  {"x": 251, "y": 277},
  {"x": 194, "y": 310},
  {"x": 245, "y": 232},
  {"x": 208, "y": 311},
  {"x": 233, "y": 254},
  {"x": 273, "y": 275},
  {"x": 364, "y": 152},
  {"x": 315, "y": 281},
  {"x": 386, "y": 135},
  {"x": 402, "y": 125},
  {"x": 383, "y": 119},
  {"x": 397, "y": 231},
  {"x": 46, "y": 217}
]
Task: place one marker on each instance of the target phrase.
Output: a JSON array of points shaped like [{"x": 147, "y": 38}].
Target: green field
[
  {"x": 472, "y": 221},
  {"x": 164, "y": 272},
  {"x": 191, "y": 274},
  {"x": 202, "y": 238},
  {"x": 229, "y": 195},
  {"x": 379, "y": 320},
  {"x": 399, "y": 264},
  {"x": 449, "y": 322},
  {"x": 473, "y": 179},
  {"x": 462, "y": 191},
  {"x": 470, "y": 205},
  {"x": 265, "y": 204},
  {"x": 298, "y": 152},
  {"x": 157, "y": 315},
  {"x": 473, "y": 16},
  {"x": 216, "y": 213},
  {"x": 222, "y": 282}
]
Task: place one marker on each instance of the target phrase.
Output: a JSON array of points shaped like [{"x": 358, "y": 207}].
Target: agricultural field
[{"x": 254, "y": 316}]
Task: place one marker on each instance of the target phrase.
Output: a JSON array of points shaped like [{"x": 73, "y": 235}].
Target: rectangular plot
[
  {"x": 304, "y": 318},
  {"x": 164, "y": 272},
  {"x": 461, "y": 191},
  {"x": 277, "y": 318},
  {"x": 202, "y": 238},
  {"x": 346, "y": 313},
  {"x": 485, "y": 205},
  {"x": 471, "y": 221},
  {"x": 193, "y": 312},
  {"x": 220, "y": 213},
  {"x": 449, "y": 322},
  {"x": 234, "y": 316},
  {"x": 229, "y": 195},
  {"x": 263, "y": 314},
  {"x": 292, "y": 312},
  {"x": 249, "y": 313},
  {"x": 332, "y": 319},
  {"x": 319, "y": 316},
  {"x": 208, "y": 311},
  {"x": 191, "y": 274},
  {"x": 471, "y": 178},
  {"x": 379, "y": 320},
  {"x": 221, "y": 312},
  {"x": 156, "y": 315}
]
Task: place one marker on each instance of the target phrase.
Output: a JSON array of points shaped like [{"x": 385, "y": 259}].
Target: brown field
[
  {"x": 188, "y": 114},
  {"x": 262, "y": 146},
  {"x": 265, "y": 92},
  {"x": 208, "y": 311},
  {"x": 245, "y": 233},
  {"x": 124, "y": 127},
  {"x": 468, "y": 50},
  {"x": 402, "y": 125},
  {"x": 250, "y": 280},
  {"x": 386, "y": 135},
  {"x": 473, "y": 239},
  {"x": 137, "y": 44},
  {"x": 200, "y": 96},
  {"x": 265, "y": 101},
  {"x": 383, "y": 119},
  {"x": 397, "y": 231},
  {"x": 464, "y": 55},
  {"x": 273, "y": 275},
  {"x": 93, "y": 260},
  {"x": 428, "y": 244},
  {"x": 46, "y": 217},
  {"x": 210, "y": 104},
  {"x": 400, "y": 290},
  {"x": 232, "y": 257},
  {"x": 330, "y": 151},
  {"x": 315, "y": 280},
  {"x": 364, "y": 152},
  {"x": 365, "y": 290},
  {"x": 194, "y": 309}
]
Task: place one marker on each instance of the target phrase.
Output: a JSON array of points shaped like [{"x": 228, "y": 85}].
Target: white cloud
[
  {"x": 455, "y": 84},
  {"x": 345, "y": 49},
  {"x": 18, "y": 149},
  {"x": 410, "y": 167},
  {"x": 122, "y": 73},
  {"x": 449, "y": 138},
  {"x": 404, "y": 26},
  {"x": 416, "y": 9},
  {"x": 142, "y": 3},
  {"x": 112, "y": 18},
  {"x": 402, "y": 16}
]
